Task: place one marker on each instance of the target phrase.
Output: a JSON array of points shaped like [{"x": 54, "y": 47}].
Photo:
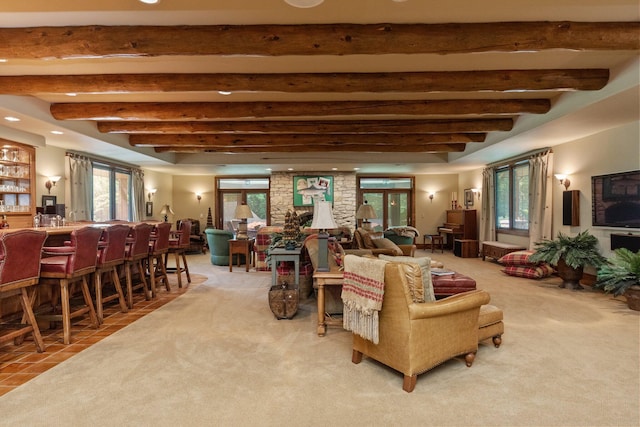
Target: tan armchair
[
  {"x": 378, "y": 244},
  {"x": 416, "y": 337}
]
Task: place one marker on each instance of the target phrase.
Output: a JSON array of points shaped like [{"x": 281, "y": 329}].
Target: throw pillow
[
  {"x": 517, "y": 258},
  {"x": 420, "y": 293},
  {"x": 529, "y": 272},
  {"x": 385, "y": 243}
]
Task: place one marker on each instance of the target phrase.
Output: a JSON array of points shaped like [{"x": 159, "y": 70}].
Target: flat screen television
[{"x": 616, "y": 200}]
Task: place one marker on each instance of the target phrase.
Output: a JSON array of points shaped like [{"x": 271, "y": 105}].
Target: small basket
[{"x": 283, "y": 300}]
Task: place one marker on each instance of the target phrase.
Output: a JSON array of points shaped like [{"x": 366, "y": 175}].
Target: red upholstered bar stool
[
  {"x": 65, "y": 265},
  {"x": 110, "y": 256},
  {"x": 178, "y": 245},
  {"x": 20, "y": 253},
  {"x": 158, "y": 248},
  {"x": 136, "y": 253}
]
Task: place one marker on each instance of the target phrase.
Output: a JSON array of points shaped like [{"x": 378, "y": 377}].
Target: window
[
  {"x": 391, "y": 199},
  {"x": 111, "y": 193},
  {"x": 234, "y": 191},
  {"x": 512, "y": 198}
]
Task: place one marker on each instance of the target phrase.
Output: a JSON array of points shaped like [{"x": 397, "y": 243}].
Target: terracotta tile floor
[{"x": 19, "y": 364}]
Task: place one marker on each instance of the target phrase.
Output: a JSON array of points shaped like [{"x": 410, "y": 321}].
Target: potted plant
[
  {"x": 621, "y": 276},
  {"x": 569, "y": 255}
]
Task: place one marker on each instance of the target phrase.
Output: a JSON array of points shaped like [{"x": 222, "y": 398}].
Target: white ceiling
[{"x": 573, "y": 114}]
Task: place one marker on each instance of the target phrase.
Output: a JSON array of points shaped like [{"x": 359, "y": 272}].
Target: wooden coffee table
[{"x": 322, "y": 279}]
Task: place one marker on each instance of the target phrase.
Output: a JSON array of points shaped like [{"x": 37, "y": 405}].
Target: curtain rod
[
  {"x": 517, "y": 158},
  {"x": 103, "y": 161}
]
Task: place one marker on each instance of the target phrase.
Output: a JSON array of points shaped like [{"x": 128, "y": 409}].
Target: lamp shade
[
  {"x": 243, "y": 212},
  {"x": 166, "y": 210},
  {"x": 323, "y": 216},
  {"x": 365, "y": 211}
]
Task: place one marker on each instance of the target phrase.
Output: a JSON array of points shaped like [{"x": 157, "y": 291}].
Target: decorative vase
[
  {"x": 633, "y": 297},
  {"x": 570, "y": 276}
]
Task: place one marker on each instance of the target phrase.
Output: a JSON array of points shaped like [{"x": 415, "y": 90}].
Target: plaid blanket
[{"x": 362, "y": 294}]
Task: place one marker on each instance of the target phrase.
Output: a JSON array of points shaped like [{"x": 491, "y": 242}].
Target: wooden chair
[
  {"x": 110, "y": 256},
  {"x": 178, "y": 245},
  {"x": 136, "y": 253},
  {"x": 20, "y": 253},
  {"x": 66, "y": 265},
  {"x": 158, "y": 248}
]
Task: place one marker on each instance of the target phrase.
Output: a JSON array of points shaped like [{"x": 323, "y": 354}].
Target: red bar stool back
[
  {"x": 136, "y": 252},
  {"x": 65, "y": 265},
  {"x": 158, "y": 248},
  {"x": 110, "y": 255},
  {"x": 178, "y": 245},
  {"x": 20, "y": 253}
]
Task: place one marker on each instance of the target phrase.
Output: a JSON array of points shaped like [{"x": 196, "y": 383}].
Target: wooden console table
[
  {"x": 277, "y": 255},
  {"x": 322, "y": 279}
]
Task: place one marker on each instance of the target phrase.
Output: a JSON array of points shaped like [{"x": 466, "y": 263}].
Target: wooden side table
[
  {"x": 241, "y": 247},
  {"x": 329, "y": 278}
]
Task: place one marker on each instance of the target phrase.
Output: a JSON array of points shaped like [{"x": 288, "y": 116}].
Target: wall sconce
[
  {"x": 564, "y": 180},
  {"x": 199, "y": 197},
  {"x": 152, "y": 192},
  {"x": 431, "y": 194},
  {"x": 51, "y": 182},
  {"x": 476, "y": 191}
]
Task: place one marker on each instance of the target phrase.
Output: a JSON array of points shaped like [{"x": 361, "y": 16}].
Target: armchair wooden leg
[
  {"x": 409, "y": 383},
  {"x": 356, "y": 357},
  {"x": 497, "y": 340},
  {"x": 469, "y": 358}
]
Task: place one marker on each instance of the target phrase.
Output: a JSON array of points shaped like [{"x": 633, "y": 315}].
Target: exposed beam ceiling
[{"x": 359, "y": 89}]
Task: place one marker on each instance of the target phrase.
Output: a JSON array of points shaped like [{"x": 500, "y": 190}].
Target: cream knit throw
[{"x": 362, "y": 293}]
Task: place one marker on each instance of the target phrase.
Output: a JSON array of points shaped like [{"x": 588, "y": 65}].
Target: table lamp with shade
[
  {"x": 166, "y": 211},
  {"x": 243, "y": 212},
  {"x": 365, "y": 212},
  {"x": 323, "y": 221}
]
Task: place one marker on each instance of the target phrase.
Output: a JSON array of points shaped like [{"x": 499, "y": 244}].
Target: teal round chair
[{"x": 218, "y": 241}]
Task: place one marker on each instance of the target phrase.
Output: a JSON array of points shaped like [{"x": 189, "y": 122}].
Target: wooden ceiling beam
[
  {"x": 442, "y": 81},
  {"x": 312, "y": 126},
  {"x": 319, "y": 39},
  {"x": 189, "y": 111},
  {"x": 390, "y": 148},
  {"x": 289, "y": 140}
]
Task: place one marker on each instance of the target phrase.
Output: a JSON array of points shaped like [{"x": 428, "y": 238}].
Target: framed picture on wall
[
  {"x": 48, "y": 201},
  {"x": 308, "y": 187},
  {"x": 149, "y": 208},
  {"x": 468, "y": 198}
]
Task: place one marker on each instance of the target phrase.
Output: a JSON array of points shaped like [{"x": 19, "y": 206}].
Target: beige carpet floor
[{"x": 217, "y": 356}]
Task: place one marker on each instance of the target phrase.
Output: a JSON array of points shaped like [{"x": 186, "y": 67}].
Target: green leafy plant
[
  {"x": 576, "y": 251},
  {"x": 620, "y": 273}
]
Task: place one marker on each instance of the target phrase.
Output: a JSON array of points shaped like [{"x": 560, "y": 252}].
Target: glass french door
[{"x": 392, "y": 208}]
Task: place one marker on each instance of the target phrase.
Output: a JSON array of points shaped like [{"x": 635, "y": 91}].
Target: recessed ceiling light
[
  {"x": 71, "y": 94},
  {"x": 57, "y": 132},
  {"x": 12, "y": 119},
  {"x": 224, "y": 92},
  {"x": 150, "y": 1},
  {"x": 289, "y": 169},
  {"x": 303, "y": 4},
  {"x": 3, "y": 60},
  {"x": 356, "y": 169},
  {"x": 269, "y": 169},
  {"x": 334, "y": 169}
]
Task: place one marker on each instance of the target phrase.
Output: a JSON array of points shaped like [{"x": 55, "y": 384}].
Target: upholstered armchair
[
  {"x": 218, "y": 241},
  {"x": 378, "y": 244},
  {"x": 415, "y": 337}
]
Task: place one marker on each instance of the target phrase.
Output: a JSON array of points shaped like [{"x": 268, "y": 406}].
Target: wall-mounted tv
[{"x": 616, "y": 200}]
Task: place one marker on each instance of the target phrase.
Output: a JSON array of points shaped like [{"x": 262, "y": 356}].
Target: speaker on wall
[{"x": 571, "y": 207}]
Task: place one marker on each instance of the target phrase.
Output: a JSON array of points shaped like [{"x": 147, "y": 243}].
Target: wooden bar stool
[
  {"x": 158, "y": 248},
  {"x": 136, "y": 252},
  {"x": 178, "y": 245},
  {"x": 65, "y": 265},
  {"x": 110, "y": 255},
  {"x": 20, "y": 253},
  {"x": 435, "y": 239}
]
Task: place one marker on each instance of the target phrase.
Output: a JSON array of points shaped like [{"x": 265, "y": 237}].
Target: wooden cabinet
[{"x": 17, "y": 177}]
